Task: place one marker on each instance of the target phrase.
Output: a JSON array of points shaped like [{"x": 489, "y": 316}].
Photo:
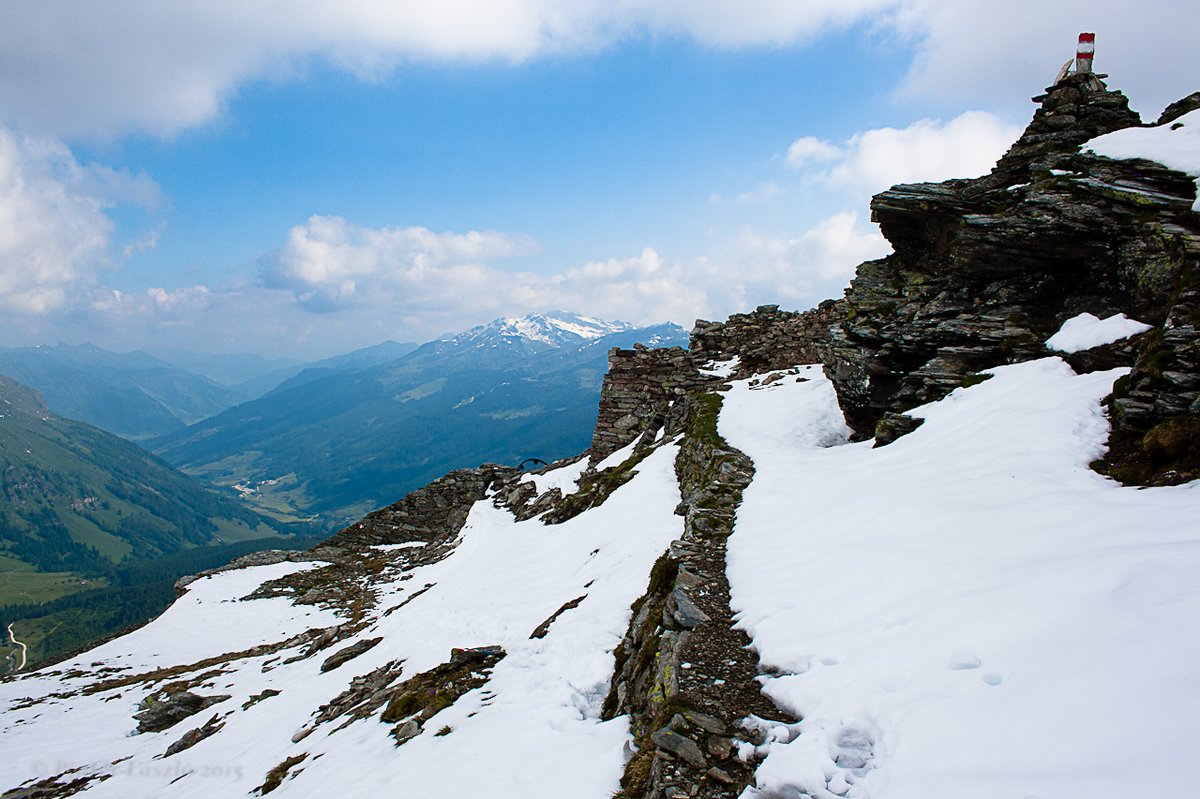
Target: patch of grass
[
  {"x": 424, "y": 695},
  {"x": 637, "y": 772},
  {"x": 704, "y": 424},
  {"x": 276, "y": 775},
  {"x": 21, "y": 587},
  {"x": 1175, "y": 441},
  {"x": 1167, "y": 454}
]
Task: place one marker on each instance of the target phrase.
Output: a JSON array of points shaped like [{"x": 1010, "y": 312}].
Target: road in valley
[{"x": 24, "y": 648}]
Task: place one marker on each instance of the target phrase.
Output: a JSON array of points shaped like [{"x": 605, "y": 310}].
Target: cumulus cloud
[
  {"x": 810, "y": 149},
  {"x": 330, "y": 263},
  {"x": 764, "y": 191},
  {"x": 94, "y": 69},
  {"x": 736, "y": 273},
  {"x": 54, "y": 232},
  {"x": 415, "y": 284},
  {"x": 927, "y": 150},
  {"x": 432, "y": 280},
  {"x": 178, "y": 306}
]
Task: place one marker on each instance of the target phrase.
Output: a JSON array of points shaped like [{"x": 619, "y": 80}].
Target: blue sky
[
  {"x": 587, "y": 154},
  {"x": 191, "y": 176}
]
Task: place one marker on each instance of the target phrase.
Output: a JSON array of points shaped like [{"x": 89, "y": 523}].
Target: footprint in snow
[{"x": 964, "y": 659}]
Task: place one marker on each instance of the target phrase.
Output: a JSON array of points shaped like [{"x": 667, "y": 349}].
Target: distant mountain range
[
  {"x": 131, "y": 394},
  {"x": 138, "y": 395},
  {"x": 292, "y": 377},
  {"x": 339, "y": 444}
]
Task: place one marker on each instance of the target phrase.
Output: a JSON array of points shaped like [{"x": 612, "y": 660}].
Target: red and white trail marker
[{"x": 1084, "y": 52}]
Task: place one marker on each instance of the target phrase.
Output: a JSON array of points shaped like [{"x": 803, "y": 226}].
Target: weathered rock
[
  {"x": 707, "y": 723},
  {"x": 681, "y": 746},
  {"x": 419, "y": 698},
  {"x": 164, "y": 713},
  {"x": 543, "y": 629},
  {"x": 348, "y": 653},
  {"x": 985, "y": 270},
  {"x": 637, "y": 393},
  {"x": 406, "y": 731},
  {"x": 195, "y": 736},
  {"x": 682, "y": 669}
]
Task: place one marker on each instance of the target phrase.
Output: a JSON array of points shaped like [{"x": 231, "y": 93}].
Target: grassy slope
[{"x": 94, "y": 530}]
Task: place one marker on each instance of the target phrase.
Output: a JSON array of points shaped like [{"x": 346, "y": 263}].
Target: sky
[{"x": 304, "y": 178}]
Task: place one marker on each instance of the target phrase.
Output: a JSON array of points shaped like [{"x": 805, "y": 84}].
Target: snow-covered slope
[
  {"x": 969, "y": 611},
  {"x": 503, "y": 579}
]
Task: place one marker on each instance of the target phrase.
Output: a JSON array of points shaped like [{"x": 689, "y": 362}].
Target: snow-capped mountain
[
  {"x": 504, "y": 392},
  {"x": 935, "y": 539},
  {"x": 551, "y": 329}
]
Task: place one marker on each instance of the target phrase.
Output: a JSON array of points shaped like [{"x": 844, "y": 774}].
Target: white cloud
[
  {"x": 764, "y": 191},
  {"x": 54, "y": 232},
  {"x": 440, "y": 281},
  {"x": 107, "y": 68},
  {"x": 414, "y": 284},
  {"x": 995, "y": 55},
  {"x": 155, "y": 304},
  {"x": 927, "y": 150},
  {"x": 330, "y": 263},
  {"x": 807, "y": 149}
]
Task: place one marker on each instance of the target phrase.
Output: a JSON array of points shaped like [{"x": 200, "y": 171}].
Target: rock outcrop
[
  {"x": 985, "y": 270},
  {"x": 638, "y": 390}
]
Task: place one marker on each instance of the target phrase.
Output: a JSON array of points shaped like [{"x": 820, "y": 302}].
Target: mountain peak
[{"x": 552, "y": 328}]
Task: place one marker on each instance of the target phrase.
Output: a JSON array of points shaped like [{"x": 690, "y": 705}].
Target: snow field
[
  {"x": 969, "y": 611},
  {"x": 92, "y": 731}
]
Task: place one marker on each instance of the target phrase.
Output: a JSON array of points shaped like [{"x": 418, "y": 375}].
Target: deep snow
[{"x": 969, "y": 611}]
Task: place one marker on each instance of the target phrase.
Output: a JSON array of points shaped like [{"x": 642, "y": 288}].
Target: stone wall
[
  {"x": 684, "y": 675},
  {"x": 765, "y": 339},
  {"x": 637, "y": 394}
]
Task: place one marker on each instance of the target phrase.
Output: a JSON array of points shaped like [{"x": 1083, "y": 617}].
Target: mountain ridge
[{"x": 133, "y": 395}]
